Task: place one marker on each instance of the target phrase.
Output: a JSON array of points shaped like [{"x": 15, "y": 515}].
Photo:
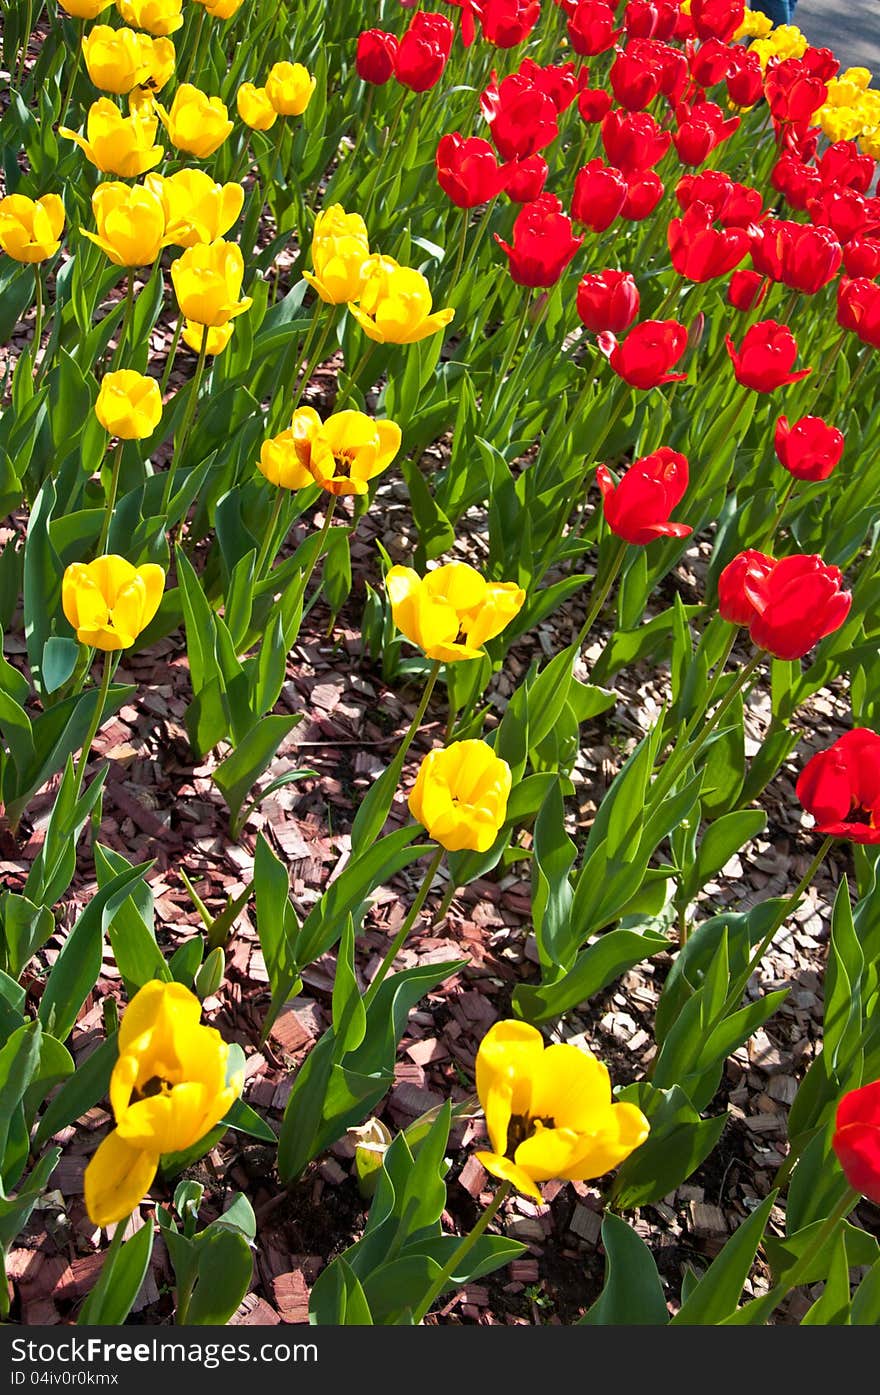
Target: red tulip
[
  {"x": 701, "y": 128},
  {"x": 700, "y": 252},
  {"x": 650, "y": 19},
  {"x": 745, "y": 78},
  {"x": 798, "y": 183},
  {"x": 638, "y": 508},
  {"x": 858, "y": 309},
  {"x": 522, "y": 118},
  {"x": 674, "y": 72},
  {"x": 821, "y": 62},
  {"x": 765, "y": 360},
  {"x": 717, "y": 19},
  {"x": 591, "y": 28},
  {"x": 468, "y": 171},
  {"x": 804, "y": 258},
  {"x": 470, "y": 12},
  {"x": 635, "y": 80},
  {"x": 856, "y": 1139},
  {"x": 561, "y": 82},
  {"x": 607, "y": 300},
  {"x": 594, "y": 104},
  {"x": 633, "y": 140},
  {"x": 507, "y": 23},
  {"x": 809, "y": 450},
  {"x": 526, "y": 179},
  {"x": 793, "y": 93},
  {"x": 747, "y": 568},
  {"x": 861, "y": 257},
  {"x": 644, "y": 190},
  {"x": 842, "y": 166},
  {"x": 543, "y": 243},
  {"x": 847, "y": 212},
  {"x": 734, "y": 205},
  {"x": 710, "y": 63},
  {"x": 648, "y": 352},
  {"x": 746, "y": 290},
  {"x": 424, "y": 51},
  {"x": 794, "y": 602},
  {"x": 599, "y": 194},
  {"x": 375, "y": 56},
  {"x": 840, "y": 784}
]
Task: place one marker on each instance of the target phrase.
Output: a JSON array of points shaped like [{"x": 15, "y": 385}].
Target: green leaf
[
  {"x": 337, "y": 1298},
  {"x": 18, "y": 1061},
  {"x": 718, "y": 1292},
  {"x": 225, "y": 1267},
  {"x": 123, "y": 1273},
  {"x": 236, "y": 775},
  {"x": 678, "y": 1142},
  {"x": 831, "y": 1308},
  {"x": 89, "y": 1083},
  {"x": 75, "y": 971},
  {"x": 861, "y": 1249},
  {"x": 595, "y": 967},
  {"x": 633, "y": 1293}
]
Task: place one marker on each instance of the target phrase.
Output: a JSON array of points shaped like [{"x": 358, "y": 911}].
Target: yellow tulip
[
  {"x": 117, "y": 144},
  {"x": 218, "y": 337},
  {"x": 196, "y": 208},
  {"x": 842, "y": 93},
  {"x": 207, "y": 282},
  {"x": 860, "y": 77},
  {"x": 452, "y": 611},
  {"x": 161, "y": 59},
  {"x": 340, "y": 253},
  {"x": 254, "y": 107},
  {"x": 222, "y": 9},
  {"x": 281, "y": 464},
  {"x": 840, "y": 123},
  {"x": 289, "y": 88},
  {"x": 460, "y": 795},
  {"x": 131, "y": 223},
  {"x": 168, "y": 1089},
  {"x": 549, "y": 1111},
  {"x": 159, "y": 17},
  {"x": 129, "y": 405},
  {"x": 394, "y": 306},
  {"x": 116, "y": 59},
  {"x": 196, "y": 122},
  {"x": 870, "y": 144},
  {"x": 30, "y": 229},
  {"x": 755, "y": 25},
  {"x": 346, "y": 451},
  {"x": 83, "y": 9},
  {"x": 109, "y": 602}
]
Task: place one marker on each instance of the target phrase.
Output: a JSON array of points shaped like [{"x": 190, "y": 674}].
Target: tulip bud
[
  {"x": 375, "y": 56},
  {"x": 607, "y": 300},
  {"x": 372, "y": 1141},
  {"x": 30, "y": 229},
  {"x": 809, "y": 450},
  {"x": 289, "y": 88},
  {"x": 129, "y": 405}
]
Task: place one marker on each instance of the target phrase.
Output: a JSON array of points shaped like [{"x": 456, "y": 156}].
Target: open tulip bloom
[
  {"x": 788, "y": 605},
  {"x": 169, "y": 1088},
  {"x": 460, "y": 795},
  {"x": 549, "y": 1111},
  {"x": 109, "y": 602},
  {"x": 452, "y": 612},
  {"x": 856, "y": 1139},
  {"x": 840, "y": 787}
]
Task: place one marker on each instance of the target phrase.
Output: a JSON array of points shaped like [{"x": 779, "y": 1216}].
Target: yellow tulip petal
[
  {"x": 508, "y": 1171},
  {"x": 571, "y": 1087},
  {"x": 116, "y": 1179}
]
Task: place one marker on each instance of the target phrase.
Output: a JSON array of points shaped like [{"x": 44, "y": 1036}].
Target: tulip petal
[
  {"x": 508, "y": 1171},
  {"x": 117, "y": 1179}
]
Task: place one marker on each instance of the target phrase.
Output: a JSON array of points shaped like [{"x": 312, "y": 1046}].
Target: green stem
[
  {"x": 172, "y": 354},
  {"x": 462, "y": 245},
  {"x": 196, "y": 44},
  {"x": 732, "y": 1001},
  {"x": 386, "y": 145},
  {"x": 460, "y": 1253},
  {"x": 311, "y": 359},
  {"x": 322, "y": 538},
  {"x": 713, "y": 684},
  {"x": 353, "y": 376},
  {"x": 397, "y": 943},
  {"x": 94, "y": 724},
  {"x": 62, "y": 119},
  {"x": 419, "y": 716},
  {"x": 827, "y": 365},
  {"x": 38, "y": 317},
  {"x": 28, "y": 24},
  {"x": 777, "y": 517},
  {"x": 111, "y": 499},
  {"x": 795, "y": 1275},
  {"x": 269, "y": 534},
  {"x": 601, "y": 595},
  {"x": 687, "y": 752},
  {"x": 126, "y": 320},
  {"x": 443, "y": 909},
  {"x": 187, "y": 423},
  {"x": 512, "y": 347}
]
